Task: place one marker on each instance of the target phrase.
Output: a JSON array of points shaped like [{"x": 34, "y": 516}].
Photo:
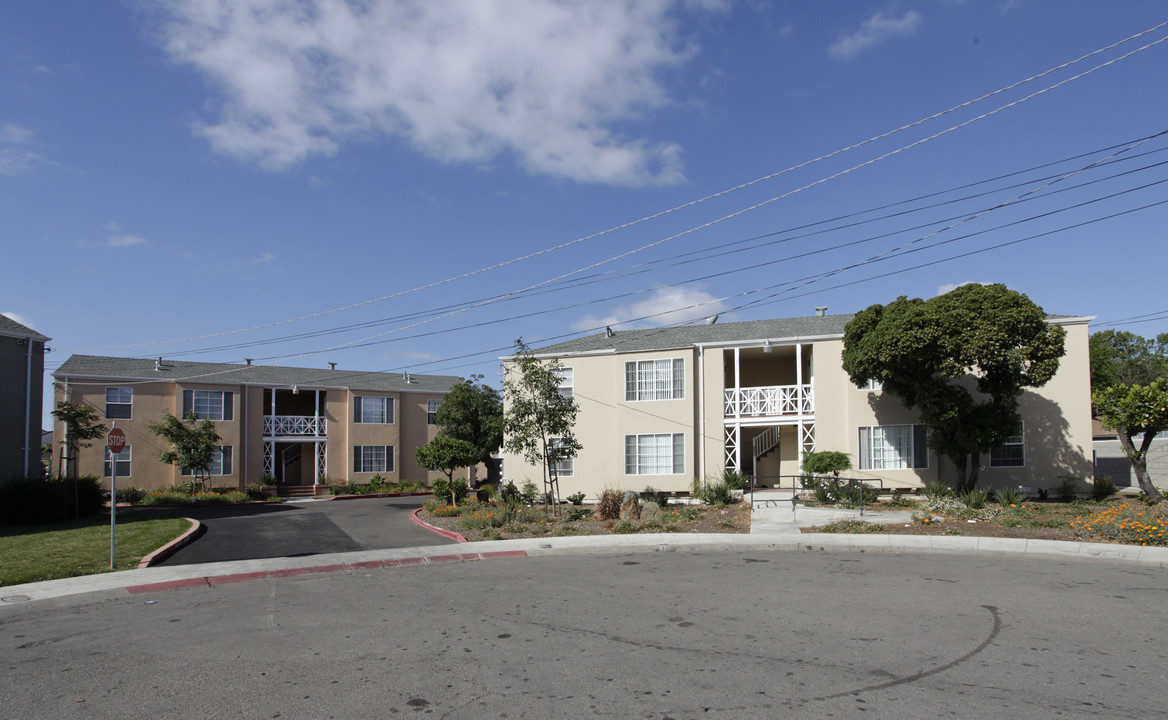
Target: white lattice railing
[
  {"x": 293, "y": 425},
  {"x": 769, "y": 401}
]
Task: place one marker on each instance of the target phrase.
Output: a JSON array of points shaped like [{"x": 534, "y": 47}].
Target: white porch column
[
  {"x": 738, "y": 408},
  {"x": 799, "y": 397}
]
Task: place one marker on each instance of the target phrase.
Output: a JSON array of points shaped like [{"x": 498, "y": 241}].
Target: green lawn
[{"x": 30, "y": 553}]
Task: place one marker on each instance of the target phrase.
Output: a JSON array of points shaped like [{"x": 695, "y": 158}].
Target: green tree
[
  {"x": 81, "y": 429},
  {"x": 447, "y": 454},
  {"x": 1119, "y": 357},
  {"x": 194, "y": 442},
  {"x": 473, "y": 412},
  {"x": 826, "y": 461},
  {"x": 1133, "y": 410},
  {"x": 538, "y": 422},
  {"x": 925, "y": 352}
]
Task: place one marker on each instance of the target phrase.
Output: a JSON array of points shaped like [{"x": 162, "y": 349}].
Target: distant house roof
[
  {"x": 817, "y": 326},
  {"x": 144, "y": 369},
  {"x": 11, "y": 328},
  {"x": 778, "y": 330}
]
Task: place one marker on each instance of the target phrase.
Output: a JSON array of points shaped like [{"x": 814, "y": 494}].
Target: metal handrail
[{"x": 796, "y": 486}]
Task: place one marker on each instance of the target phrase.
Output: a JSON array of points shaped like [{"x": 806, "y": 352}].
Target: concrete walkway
[{"x": 775, "y": 528}]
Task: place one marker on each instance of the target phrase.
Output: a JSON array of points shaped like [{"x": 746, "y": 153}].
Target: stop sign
[{"x": 116, "y": 441}]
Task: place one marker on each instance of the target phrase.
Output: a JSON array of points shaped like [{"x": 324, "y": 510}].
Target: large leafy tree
[
  {"x": 473, "y": 412},
  {"x": 538, "y": 422},
  {"x": 929, "y": 352},
  {"x": 194, "y": 443},
  {"x": 1119, "y": 357},
  {"x": 82, "y": 427}
]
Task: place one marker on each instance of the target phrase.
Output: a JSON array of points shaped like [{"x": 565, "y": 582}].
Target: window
[
  {"x": 220, "y": 462},
  {"x": 432, "y": 411},
  {"x": 123, "y": 462},
  {"x": 894, "y": 447},
  {"x": 662, "y": 454},
  {"x": 565, "y": 388},
  {"x": 872, "y": 384},
  {"x": 373, "y": 410},
  {"x": 1012, "y": 452},
  {"x": 119, "y": 402},
  {"x": 372, "y": 458},
  {"x": 563, "y": 466},
  {"x": 209, "y": 404},
  {"x": 655, "y": 379}
]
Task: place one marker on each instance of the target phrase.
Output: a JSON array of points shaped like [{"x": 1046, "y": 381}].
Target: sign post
[{"x": 116, "y": 442}]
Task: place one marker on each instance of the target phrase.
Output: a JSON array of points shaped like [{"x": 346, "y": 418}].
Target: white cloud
[
  {"x": 953, "y": 286},
  {"x": 18, "y": 318},
  {"x": 14, "y": 158},
  {"x": 124, "y": 241},
  {"x": 666, "y": 306},
  {"x": 874, "y": 31},
  {"x": 462, "y": 82}
]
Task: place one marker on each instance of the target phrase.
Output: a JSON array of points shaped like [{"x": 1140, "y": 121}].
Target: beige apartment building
[
  {"x": 299, "y": 426},
  {"x": 664, "y": 406}
]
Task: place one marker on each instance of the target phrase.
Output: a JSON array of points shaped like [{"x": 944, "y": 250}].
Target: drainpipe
[{"x": 702, "y": 411}]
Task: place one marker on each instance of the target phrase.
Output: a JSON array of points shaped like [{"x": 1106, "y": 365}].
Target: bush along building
[
  {"x": 299, "y": 428},
  {"x": 663, "y": 407}
]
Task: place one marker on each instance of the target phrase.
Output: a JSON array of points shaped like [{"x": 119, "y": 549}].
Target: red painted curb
[
  {"x": 503, "y": 554},
  {"x": 371, "y": 564},
  {"x": 171, "y": 585},
  {"x": 440, "y": 531},
  {"x": 169, "y": 549}
]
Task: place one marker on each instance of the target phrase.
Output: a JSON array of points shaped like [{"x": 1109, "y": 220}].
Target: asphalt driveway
[{"x": 297, "y": 529}]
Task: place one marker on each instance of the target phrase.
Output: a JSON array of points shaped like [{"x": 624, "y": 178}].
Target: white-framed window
[
  {"x": 566, "y": 382},
  {"x": 1012, "y": 452},
  {"x": 894, "y": 447},
  {"x": 872, "y": 385},
  {"x": 564, "y": 467},
  {"x": 657, "y": 454},
  {"x": 432, "y": 411},
  {"x": 119, "y": 403},
  {"x": 655, "y": 379},
  {"x": 122, "y": 459},
  {"x": 372, "y": 458},
  {"x": 378, "y": 410},
  {"x": 209, "y": 404},
  {"x": 220, "y": 462}
]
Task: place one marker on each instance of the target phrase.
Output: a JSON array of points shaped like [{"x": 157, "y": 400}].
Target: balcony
[
  {"x": 293, "y": 425},
  {"x": 772, "y": 401}
]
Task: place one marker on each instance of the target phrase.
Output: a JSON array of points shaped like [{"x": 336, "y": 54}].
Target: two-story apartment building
[
  {"x": 297, "y": 426},
  {"x": 661, "y": 407},
  {"x": 22, "y": 372}
]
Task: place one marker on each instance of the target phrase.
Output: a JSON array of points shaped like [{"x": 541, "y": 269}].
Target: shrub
[
  {"x": 1009, "y": 496},
  {"x": 652, "y": 494},
  {"x": 486, "y": 493},
  {"x": 826, "y": 462},
  {"x": 167, "y": 497},
  {"x": 624, "y": 527},
  {"x": 344, "y": 488},
  {"x": 576, "y": 498},
  {"x": 455, "y": 490},
  {"x": 26, "y": 501},
  {"x": 974, "y": 499},
  {"x": 734, "y": 480},
  {"x": 854, "y": 494},
  {"x": 937, "y": 490},
  {"x": 1102, "y": 488},
  {"x": 901, "y": 501},
  {"x": 529, "y": 494},
  {"x": 717, "y": 494},
  {"x": 255, "y": 492},
  {"x": 609, "y": 506},
  {"x": 131, "y": 495},
  {"x": 563, "y": 530},
  {"x": 853, "y": 527},
  {"x": 443, "y": 510},
  {"x": 1067, "y": 488},
  {"x": 576, "y": 514},
  {"x": 509, "y": 493}
]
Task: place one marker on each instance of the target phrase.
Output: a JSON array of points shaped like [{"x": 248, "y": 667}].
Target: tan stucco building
[
  {"x": 664, "y": 406},
  {"x": 298, "y": 426}
]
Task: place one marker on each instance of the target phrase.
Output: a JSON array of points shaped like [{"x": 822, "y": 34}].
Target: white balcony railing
[
  {"x": 294, "y": 425},
  {"x": 771, "y": 401}
]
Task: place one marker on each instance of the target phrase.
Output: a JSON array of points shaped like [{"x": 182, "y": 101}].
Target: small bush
[
  {"x": 486, "y": 493},
  {"x": 255, "y": 492},
  {"x": 717, "y": 493},
  {"x": 509, "y": 493},
  {"x": 974, "y": 499},
  {"x": 563, "y": 530},
  {"x": 492, "y": 534},
  {"x": 576, "y": 498},
  {"x": 937, "y": 490},
  {"x": 1009, "y": 496},
  {"x": 167, "y": 497},
  {"x": 826, "y": 462},
  {"x": 529, "y": 494},
  {"x": 735, "y": 480},
  {"x": 343, "y": 488},
  {"x": 1067, "y": 488},
  {"x": 1102, "y": 488},
  {"x": 901, "y": 501},
  {"x": 624, "y": 527},
  {"x": 131, "y": 495},
  {"x": 609, "y": 506},
  {"x": 27, "y": 501},
  {"x": 443, "y": 510},
  {"x": 652, "y": 494},
  {"x": 576, "y": 514},
  {"x": 853, "y": 527}
]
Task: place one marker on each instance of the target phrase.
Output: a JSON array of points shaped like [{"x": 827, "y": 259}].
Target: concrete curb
[
  {"x": 163, "y": 578},
  {"x": 376, "y": 495},
  {"x": 433, "y": 528},
  {"x": 171, "y": 547}
]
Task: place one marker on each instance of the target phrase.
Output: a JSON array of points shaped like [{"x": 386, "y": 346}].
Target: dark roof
[
  {"x": 115, "y": 368},
  {"x": 8, "y": 326},
  {"x": 690, "y": 335}
]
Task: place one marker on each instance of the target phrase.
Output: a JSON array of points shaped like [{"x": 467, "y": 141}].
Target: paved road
[
  {"x": 303, "y": 528},
  {"x": 700, "y": 634}
]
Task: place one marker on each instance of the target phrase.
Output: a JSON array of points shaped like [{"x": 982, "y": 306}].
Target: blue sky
[{"x": 333, "y": 181}]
